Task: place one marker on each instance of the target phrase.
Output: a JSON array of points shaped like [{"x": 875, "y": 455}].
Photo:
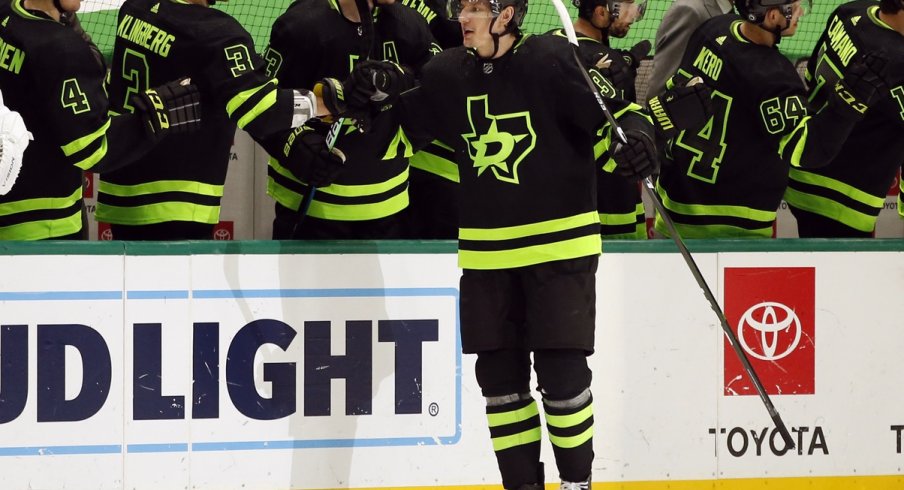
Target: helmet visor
[
  {"x": 483, "y": 9},
  {"x": 629, "y": 11}
]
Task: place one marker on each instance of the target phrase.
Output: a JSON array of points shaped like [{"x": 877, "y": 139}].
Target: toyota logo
[{"x": 770, "y": 319}]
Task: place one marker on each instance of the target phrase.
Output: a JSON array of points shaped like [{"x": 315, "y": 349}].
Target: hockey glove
[
  {"x": 620, "y": 75},
  {"x": 174, "y": 107},
  {"x": 308, "y": 157},
  {"x": 681, "y": 108},
  {"x": 863, "y": 82},
  {"x": 352, "y": 96},
  {"x": 636, "y": 54},
  {"x": 14, "y": 138},
  {"x": 380, "y": 83},
  {"x": 638, "y": 159}
]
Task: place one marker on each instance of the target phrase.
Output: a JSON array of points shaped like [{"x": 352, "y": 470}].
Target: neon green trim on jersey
[
  {"x": 619, "y": 219},
  {"x": 584, "y": 246},
  {"x": 736, "y": 32},
  {"x": 19, "y": 9},
  {"x": 832, "y": 210},
  {"x": 873, "y": 13},
  {"x": 158, "y": 213},
  {"x": 837, "y": 186},
  {"x": 159, "y": 187},
  {"x": 345, "y": 190},
  {"x": 513, "y": 416},
  {"x": 358, "y": 212},
  {"x": 92, "y": 159},
  {"x": 338, "y": 212},
  {"x": 742, "y": 212},
  {"x": 521, "y": 231},
  {"x": 236, "y": 101},
  {"x": 570, "y": 420},
  {"x": 365, "y": 189},
  {"x": 44, "y": 229},
  {"x": 602, "y": 146},
  {"x": 286, "y": 197},
  {"x": 527, "y": 437},
  {"x": 712, "y": 231},
  {"x": 40, "y": 203},
  {"x": 901, "y": 199},
  {"x": 81, "y": 143},
  {"x": 571, "y": 441},
  {"x": 803, "y": 130},
  {"x": 265, "y": 103},
  {"x": 392, "y": 151},
  {"x": 437, "y": 165},
  {"x": 275, "y": 165}
]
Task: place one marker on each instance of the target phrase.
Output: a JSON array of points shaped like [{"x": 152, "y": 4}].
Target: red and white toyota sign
[{"x": 772, "y": 312}]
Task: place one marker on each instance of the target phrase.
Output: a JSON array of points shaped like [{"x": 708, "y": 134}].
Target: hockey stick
[
  {"x": 565, "y": 17},
  {"x": 367, "y": 33}
]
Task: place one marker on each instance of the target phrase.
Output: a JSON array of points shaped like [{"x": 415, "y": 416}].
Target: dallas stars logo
[{"x": 499, "y": 143}]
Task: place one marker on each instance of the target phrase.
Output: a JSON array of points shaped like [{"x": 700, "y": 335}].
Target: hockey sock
[
  {"x": 570, "y": 426},
  {"x": 514, "y": 422}
]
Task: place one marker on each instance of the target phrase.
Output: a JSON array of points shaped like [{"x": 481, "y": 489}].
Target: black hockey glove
[
  {"x": 619, "y": 74},
  {"x": 173, "y": 107},
  {"x": 308, "y": 158},
  {"x": 636, "y": 54},
  {"x": 863, "y": 83},
  {"x": 638, "y": 159},
  {"x": 681, "y": 108}
]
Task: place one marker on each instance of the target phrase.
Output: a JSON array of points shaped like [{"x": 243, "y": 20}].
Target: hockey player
[
  {"x": 317, "y": 39},
  {"x": 619, "y": 202},
  {"x": 523, "y": 124},
  {"x": 14, "y": 139},
  {"x": 681, "y": 19},
  {"x": 51, "y": 76},
  {"x": 175, "y": 194},
  {"x": 726, "y": 178},
  {"x": 844, "y": 198}
]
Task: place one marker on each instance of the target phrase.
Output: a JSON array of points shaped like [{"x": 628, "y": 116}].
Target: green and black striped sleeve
[
  {"x": 251, "y": 98},
  {"x": 808, "y": 138}
]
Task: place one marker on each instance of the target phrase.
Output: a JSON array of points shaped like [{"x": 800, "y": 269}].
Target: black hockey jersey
[
  {"x": 726, "y": 179},
  {"x": 50, "y": 76},
  {"x": 182, "y": 179},
  {"x": 619, "y": 202},
  {"x": 523, "y": 127},
  {"x": 312, "y": 40},
  {"x": 852, "y": 188}
]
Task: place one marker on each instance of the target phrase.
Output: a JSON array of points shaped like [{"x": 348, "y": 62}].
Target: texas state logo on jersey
[{"x": 498, "y": 142}]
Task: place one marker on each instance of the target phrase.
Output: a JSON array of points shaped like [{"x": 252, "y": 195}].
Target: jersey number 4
[
  {"x": 72, "y": 97},
  {"x": 707, "y": 145}
]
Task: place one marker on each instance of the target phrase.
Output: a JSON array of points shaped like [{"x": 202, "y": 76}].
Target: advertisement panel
[{"x": 180, "y": 367}]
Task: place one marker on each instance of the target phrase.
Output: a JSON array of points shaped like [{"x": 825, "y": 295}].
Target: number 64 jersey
[
  {"x": 726, "y": 178},
  {"x": 182, "y": 179}
]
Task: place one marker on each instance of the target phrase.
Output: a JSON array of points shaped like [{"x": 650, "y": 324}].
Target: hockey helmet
[
  {"x": 454, "y": 9},
  {"x": 631, "y": 8},
  {"x": 755, "y": 10}
]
